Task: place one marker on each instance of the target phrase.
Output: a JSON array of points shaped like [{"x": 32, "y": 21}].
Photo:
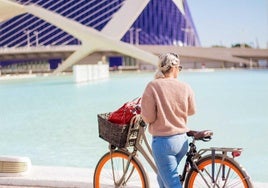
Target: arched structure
[
  {"x": 105, "y": 25},
  {"x": 71, "y": 31},
  {"x": 153, "y": 22}
]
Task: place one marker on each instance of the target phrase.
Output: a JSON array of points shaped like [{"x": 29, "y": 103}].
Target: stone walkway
[
  {"x": 63, "y": 177},
  {"x": 56, "y": 177}
]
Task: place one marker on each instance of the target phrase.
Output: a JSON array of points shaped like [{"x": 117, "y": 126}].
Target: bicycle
[{"x": 211, "y": 167}]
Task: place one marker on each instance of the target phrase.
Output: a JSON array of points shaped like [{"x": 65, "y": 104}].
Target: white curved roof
[
  {"x": 92, "y": 40},
  {"x": 10, "y": 9}
]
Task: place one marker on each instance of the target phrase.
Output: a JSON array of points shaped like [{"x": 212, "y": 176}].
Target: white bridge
[{"x": 96, "y": 44}]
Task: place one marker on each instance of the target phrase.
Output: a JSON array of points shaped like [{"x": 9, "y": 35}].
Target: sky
[{"x": 228, "y": 22}]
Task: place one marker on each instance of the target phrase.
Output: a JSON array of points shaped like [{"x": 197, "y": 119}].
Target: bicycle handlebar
[
  {"x": 142, "y": 123},
  {"x": 138, "y": 119}
]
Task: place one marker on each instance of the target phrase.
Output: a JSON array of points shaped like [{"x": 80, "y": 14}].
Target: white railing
[{"x": 14, "y": 50}]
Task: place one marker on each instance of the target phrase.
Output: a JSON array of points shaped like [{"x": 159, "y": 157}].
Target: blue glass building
[{"x": 160, "y": 23}]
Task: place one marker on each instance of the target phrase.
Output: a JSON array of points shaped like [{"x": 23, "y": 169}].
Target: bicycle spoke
[
  {"x": 130, "y": 174},
  {"x": 226, "y": 175},
  {"x": 231, "y": 179},
  {"x": 218, "y": 175},
  {"x": 117, "y": 171},
  {"x": 206, "y": 177},
  {"x": 125, "y": 174}
]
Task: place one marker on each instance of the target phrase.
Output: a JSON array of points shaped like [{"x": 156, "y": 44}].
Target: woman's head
[{"x": 168, "y": 65}]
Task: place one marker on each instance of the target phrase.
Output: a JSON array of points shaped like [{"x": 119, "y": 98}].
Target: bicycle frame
[
  {"x": 193, "y": 157},
  {"x": 137, "y": 142},
  {"x": 136, "y": 136}
]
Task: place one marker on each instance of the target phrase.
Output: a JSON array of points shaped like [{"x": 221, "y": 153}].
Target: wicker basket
[{"x": 113, "y": 133}]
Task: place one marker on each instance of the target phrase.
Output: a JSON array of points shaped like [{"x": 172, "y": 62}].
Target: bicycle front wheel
[
  {"x": 115, "y": 170},
  {"x": 223, "y": 173}
]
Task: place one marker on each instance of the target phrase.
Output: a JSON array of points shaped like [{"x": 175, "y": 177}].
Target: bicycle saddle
[{"x": 200, "y": 135}]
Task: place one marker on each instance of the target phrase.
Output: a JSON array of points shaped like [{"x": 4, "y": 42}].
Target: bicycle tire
[
  {"x": 228, "y": 174},
  {"x": 103, "y": 175}
]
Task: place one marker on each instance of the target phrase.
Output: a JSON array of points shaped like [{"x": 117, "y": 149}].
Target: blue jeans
[{"x": 168, "y": 151}]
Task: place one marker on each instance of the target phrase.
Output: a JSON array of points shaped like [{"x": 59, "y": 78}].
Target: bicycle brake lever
[{"x": 142, "y": 123}]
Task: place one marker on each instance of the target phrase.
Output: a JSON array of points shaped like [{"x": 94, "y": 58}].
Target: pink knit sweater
[{"x": 165, "y": 105}]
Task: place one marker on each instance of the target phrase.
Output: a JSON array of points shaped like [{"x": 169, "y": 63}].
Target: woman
[{"x": 165, "y": 105}]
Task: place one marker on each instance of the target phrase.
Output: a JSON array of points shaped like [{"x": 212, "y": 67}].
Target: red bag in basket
[{"x": 124, "y": 114}]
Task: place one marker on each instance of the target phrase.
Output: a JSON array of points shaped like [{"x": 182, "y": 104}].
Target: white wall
[{"x": 85, "y": 73}]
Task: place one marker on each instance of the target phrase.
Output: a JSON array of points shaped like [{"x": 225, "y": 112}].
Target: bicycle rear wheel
[
  {"x": 227, "y": 173},
  {"x": 109, "y": 172}
]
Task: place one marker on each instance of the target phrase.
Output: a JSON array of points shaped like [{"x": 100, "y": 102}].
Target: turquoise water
[{"x": 52, "y": 120}]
